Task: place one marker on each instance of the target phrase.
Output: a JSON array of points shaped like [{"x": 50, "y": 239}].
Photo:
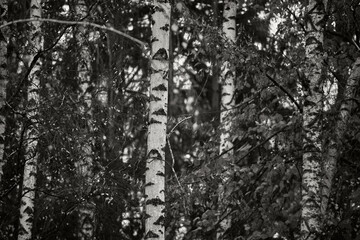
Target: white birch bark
[
  {"x": 312, "y": 124},
  {"x": 227, "y": 78},
  {"x": 3, "y": 81},
  {"x": 86, "y": 221},
  {"x": 31, "y": 157},
  {"x": 335, "y": 145},
  {"x": 156, "y": 140},
  {"x": 227, "y": 97}
]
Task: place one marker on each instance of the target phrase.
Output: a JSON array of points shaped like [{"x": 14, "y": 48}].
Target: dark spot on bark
[
  {"x": 160, "y": 174},
  {"x": 151, "y": 234},
  {"x": 160, "y": 221},
  {"x": 149, "y": 184},
  {"x": 160, "y": 112},
  {"x": 161, "y": 54},
  {"x": 165, "y": 27},
  {"x": 154, "y": 154},
  {"x": 152, "y": 120},
  {"x": 153, "y": 98},
  {"x": 161, "y": 87},
  {"x": 154, "y": 39},
  {"x": 155, "y": 202}
]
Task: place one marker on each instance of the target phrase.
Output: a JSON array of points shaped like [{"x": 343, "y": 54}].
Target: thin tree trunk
[
  {"x": 31, "y": 157},
  {"x": 312, "y": 123},
  {"x": 87, "y": 208},
  {"x": 215, "y": 93},
  {"x": 227, "y": 93},
  {"x": 335, "y": 144},
  {"x": 3, "y": 82},
  {"x": 156, "y": 141},
  {"x": 110, "y": 84}
]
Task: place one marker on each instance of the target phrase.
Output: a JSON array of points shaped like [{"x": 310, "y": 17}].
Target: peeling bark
[
  {"x": 31, "y": 157},
  {"x": 312, "y": 123},
  {"x": 155, "y": 163}
]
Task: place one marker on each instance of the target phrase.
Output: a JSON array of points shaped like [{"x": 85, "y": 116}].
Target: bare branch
[
  {"x": 111, "y": 29},
  {"x": 177, "y": 124},
  {"x": 285, "y": 91}
]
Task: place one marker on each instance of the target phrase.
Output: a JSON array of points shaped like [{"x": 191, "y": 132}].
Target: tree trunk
[
  {"x": 227, "y": 78},
  {"x": 227, "y": 95},
  {"x": 215, "y": 102},
  {"x": 84, "y": 166},
  {"x": 31, "y": 157},
  {"x": 3, "y": 81},
  {"x": 156, "y": 141},
  {"x": 335, "y": 144},
  {"x": 312, "y": 123}
]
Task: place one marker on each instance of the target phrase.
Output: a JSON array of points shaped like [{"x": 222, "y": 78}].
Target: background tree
[
  {"x": 32, "y": 127},
  {"x": 260, "y": 187}
]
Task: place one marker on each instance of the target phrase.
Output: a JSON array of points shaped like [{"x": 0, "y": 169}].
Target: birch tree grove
[
  {"x": 312, "y": 124},
  {"x": 162, "y": 119},
  {"x": 31, "y": 159},
  {"x": 156, "y": 140},
  {"x": 3, "y": 81}
]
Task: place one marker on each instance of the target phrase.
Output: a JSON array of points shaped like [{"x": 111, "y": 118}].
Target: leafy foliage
[{"x": 258, "y": 188}]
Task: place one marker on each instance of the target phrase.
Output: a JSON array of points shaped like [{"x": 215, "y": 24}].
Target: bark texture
[
  {"x": 335, "y": 143},
  {"x": 84, "y": 166},
  {"x": 227, "y": 77},
  {"x": 3, "y": 80},
  {"x": 31, "y": 158},
  {"x": 312, "y": 122},
  {"x": 227, "y": 98},
  {"x": 156, "y": 141}
]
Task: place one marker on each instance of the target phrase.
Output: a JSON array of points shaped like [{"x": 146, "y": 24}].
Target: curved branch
[
  {"x": 285, "y": 91},
  {"x": 111, "y": 29}
]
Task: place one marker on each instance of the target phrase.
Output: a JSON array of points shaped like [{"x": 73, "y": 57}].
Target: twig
[
  {"x": 285, "y": 91},
  {"x": 172, "y": 168},
  {"x": 111, "y": 29},
  {"x": 177, "y": 124},
  {"x": 262, "y": 143}
]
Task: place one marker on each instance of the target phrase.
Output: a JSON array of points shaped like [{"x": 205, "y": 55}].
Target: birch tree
[
  {"x": 84, "y": 166},
  {"x": 312, "y": 124},
  {"x": 156, "y": 140},
  {"x": 335, "y": 143},
  {"x": 227, "y": 90},
  {"x": 31, "y": 157},
  {"x": 227, "y": 77},
  {"x": 3, "y": 81}
]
